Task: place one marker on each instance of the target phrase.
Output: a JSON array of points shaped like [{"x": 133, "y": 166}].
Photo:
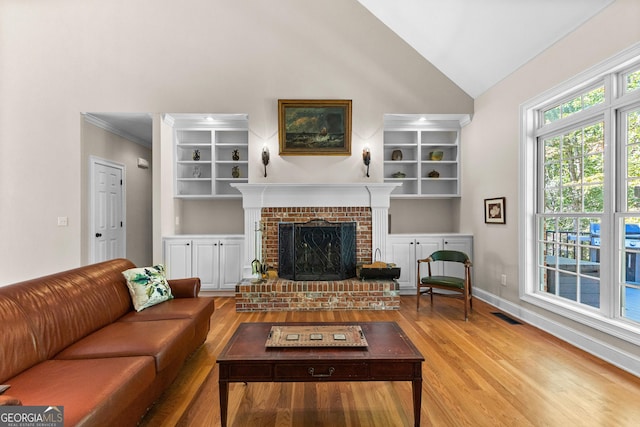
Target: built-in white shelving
[
  {"x": 211, "y": 152},
  {"x": 412, "y": 144}
]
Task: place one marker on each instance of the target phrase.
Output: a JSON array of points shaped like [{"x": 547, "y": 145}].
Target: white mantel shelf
[
  {"x": 377, "y": 196},
  {"x": 315, "y": 195}
]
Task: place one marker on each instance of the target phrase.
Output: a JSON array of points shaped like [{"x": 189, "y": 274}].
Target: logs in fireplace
[{"x": 317, "y": 250}]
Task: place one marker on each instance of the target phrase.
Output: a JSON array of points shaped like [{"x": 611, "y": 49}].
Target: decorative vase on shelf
[
  {"x": 396, "y": 155},
  {"x": 196, "y": 155},
  {"x": 236, "y": 155},
  {"x": 235, "y": 172},
  {"x": 436, "y": 155}
]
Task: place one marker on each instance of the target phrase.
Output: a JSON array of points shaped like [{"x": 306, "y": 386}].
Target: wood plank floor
[{"x": 484, "y": 372}]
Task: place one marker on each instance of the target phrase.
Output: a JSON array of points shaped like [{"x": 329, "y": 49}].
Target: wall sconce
[
  {"x": 366, "y": 158},
  {"x": 265, "y": 159}
]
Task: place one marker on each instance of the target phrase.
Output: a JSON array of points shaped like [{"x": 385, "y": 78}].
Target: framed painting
[
  {"x": 314, "y": 127},
  {"x": 495, "y": 211}
]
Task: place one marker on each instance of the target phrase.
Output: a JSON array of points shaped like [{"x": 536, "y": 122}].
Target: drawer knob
[{"x": 313, "y": 374}]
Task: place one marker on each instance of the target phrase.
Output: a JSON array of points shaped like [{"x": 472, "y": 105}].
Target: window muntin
[
  {"x": 569, "y": 266},
  {"x": 574, "y": 170},
  {"x": 578, "y": 103},
  {"x": 573, "y": 183},
  {"x": 632, "y": 160},
  {"x": 632, "y": 81},
  {"x": 629, "y": 242}
]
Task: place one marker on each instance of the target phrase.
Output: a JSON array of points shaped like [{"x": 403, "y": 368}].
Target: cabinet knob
[
  {"x": 411, "y": 243},
  {"x": 98, "y": 234},
  {"x": 188, "y": 244},
  {"x": 417, "y": 243}
]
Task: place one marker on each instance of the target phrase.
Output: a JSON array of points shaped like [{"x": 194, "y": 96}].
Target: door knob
[{"x": 98, "y": 234}]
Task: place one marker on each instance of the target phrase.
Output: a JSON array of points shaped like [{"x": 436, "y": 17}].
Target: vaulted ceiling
[{"x": 477, "y": 43}]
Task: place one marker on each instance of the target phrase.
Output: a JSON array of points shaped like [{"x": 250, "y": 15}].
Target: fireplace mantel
[
  {"x": 315, "y": 195},
  {"x": 377, "y": 196}
]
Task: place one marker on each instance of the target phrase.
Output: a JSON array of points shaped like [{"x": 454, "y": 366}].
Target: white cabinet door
[
  {"x": 426, "y": 246},
  {"x": 401, "y": 251},
  {"x": 230, "y": 262},
  {"x": 462, "y": 244},
  {"x": 205, "y": 257},
  {"x": 216, "y": 260},
  {"x": 177, "y": 258},
  {"x": 405, "y": 251}
]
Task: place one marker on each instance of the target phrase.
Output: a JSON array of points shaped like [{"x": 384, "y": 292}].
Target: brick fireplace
[
  {"x": 272, "y": 217},
  {"x": 266, "y": 205}
]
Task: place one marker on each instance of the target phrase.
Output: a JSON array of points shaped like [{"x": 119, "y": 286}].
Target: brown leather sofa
[{"x": 73, "y": 339}]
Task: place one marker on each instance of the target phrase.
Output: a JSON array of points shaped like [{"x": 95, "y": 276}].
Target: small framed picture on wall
[{"x": 495, "y": 211}]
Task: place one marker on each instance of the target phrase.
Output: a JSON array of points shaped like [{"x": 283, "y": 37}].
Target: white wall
[
  {"x": 491, "y": 146},
  {"x": 60, "y": 58}
]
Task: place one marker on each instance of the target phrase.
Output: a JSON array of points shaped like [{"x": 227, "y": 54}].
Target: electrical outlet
[
  {"x": 503, "y": 280},
  {"x": 63, "y": 221}
]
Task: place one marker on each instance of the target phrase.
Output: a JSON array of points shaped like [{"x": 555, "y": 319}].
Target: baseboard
[{"x": 602, "y": 350}]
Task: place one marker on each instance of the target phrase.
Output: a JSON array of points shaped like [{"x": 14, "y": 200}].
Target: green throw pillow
[{"x": 148, "y": 286}]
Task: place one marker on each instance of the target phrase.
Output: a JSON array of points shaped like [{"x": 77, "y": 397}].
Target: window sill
[{"x": 617, "y": 328}]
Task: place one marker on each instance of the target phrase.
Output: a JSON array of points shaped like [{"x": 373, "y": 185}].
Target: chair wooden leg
[
  {"x": 418, "y": 299},
  {"x": 431, "y": 293},
  {"x": 467, "y": 304}
]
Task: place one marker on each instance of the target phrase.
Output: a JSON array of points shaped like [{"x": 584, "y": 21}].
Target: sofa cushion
[
  {"x": 62, "y": 308},
  {"x": 18, "y": 348},
  {"x": 92, "y": 391},
  {"x": 148, "y": 286},
  {"x": 179, "y": 308},
  {"x": 165, "y": 340}
]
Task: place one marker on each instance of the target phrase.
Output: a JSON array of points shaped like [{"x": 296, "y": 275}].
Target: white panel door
[{"x": 108, "y": 220}]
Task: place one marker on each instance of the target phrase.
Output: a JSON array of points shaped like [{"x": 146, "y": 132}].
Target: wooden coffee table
[{"x": 389, "y": 356}]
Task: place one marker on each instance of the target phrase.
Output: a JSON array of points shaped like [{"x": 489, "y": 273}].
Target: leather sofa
[{"x": 74, "y": 340}]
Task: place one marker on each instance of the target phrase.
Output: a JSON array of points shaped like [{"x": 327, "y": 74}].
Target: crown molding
[{"x": 102, "y": 124}]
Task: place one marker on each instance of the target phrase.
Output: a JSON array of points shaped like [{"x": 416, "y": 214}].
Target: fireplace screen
[{"x": 317, "y": 250}]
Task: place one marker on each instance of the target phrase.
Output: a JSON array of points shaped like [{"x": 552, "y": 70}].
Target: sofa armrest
[
  {"x": 185, "y": 288},
  {"x": 6, "y": 400}
]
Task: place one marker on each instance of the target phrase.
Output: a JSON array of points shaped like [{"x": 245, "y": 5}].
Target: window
[
  {"x": 580, "y": 171},
  {"x": 578, "y": 103},
  {"x": 571, "y": 188},
  {"x": 632, "y": 81}
]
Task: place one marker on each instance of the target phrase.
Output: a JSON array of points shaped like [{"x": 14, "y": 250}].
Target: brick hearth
[{"x": 288, "y": 295}]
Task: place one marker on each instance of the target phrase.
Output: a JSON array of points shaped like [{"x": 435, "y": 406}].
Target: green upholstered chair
[{"x": 450, "y": 283}]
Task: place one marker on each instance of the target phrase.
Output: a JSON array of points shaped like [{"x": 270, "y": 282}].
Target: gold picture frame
[{"x": 309, "y": 127}]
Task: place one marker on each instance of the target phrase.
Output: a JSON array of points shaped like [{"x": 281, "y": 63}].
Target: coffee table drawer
[
  {"x": 321, "y": 371},
  {"x": 248, "y": 372}
]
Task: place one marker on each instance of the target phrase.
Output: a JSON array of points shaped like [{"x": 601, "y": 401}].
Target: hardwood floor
[{"x": 484, "y": 372}]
